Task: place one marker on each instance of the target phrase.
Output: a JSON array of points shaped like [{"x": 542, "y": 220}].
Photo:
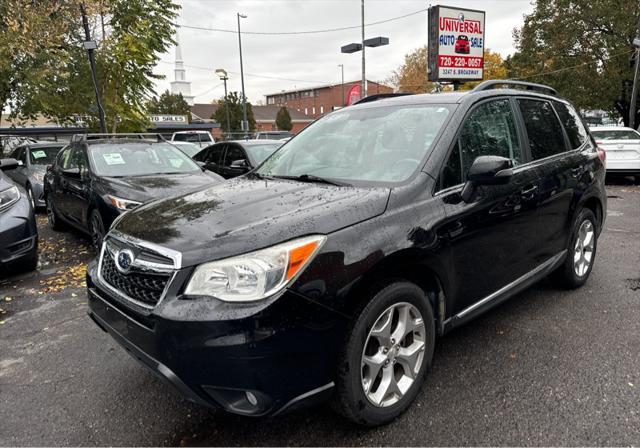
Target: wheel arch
[
  {"x": 594, "y": 204},
  {"x": 407, "y": 266}
]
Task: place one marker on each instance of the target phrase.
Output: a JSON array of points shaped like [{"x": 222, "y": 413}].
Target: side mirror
[
  {"x": 487, "y": 170},
  {"x": 242, "y": 163},
  {"x": 201, "y": 164},
  {"x": 8, "y": 164},
  {"x": 72, "y": 172}
]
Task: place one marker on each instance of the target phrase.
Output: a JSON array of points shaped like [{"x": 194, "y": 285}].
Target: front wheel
[
  {"x": 52, "y": 216},
  {"x": 387, "y": 355},
  {"x": 96, "y": 228},
  {"x": 581, "y": 252}
]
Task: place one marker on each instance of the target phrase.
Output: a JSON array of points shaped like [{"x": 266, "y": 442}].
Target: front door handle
[
  {"x": 577, "y": 172},
  {"x": 528, "y": 193}
]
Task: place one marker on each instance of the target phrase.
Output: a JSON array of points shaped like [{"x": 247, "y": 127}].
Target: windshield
[
  {"x": 260, "y": 152},
  {"x": 381, "y": 144},
  {"x": 139, "y": 159},
  {"x": 622, "y": 134},
  {"x": 44, "y": 155},
  {"x": 192, "y": 137},
  {"x": 188, "y": 148}
]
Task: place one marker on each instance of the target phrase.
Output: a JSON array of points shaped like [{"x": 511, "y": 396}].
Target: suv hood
[
  {"x": 245, "y": 214},
  {"x": 147, "y": 188}
]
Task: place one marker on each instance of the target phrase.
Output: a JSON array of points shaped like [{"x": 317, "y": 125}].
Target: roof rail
[
  {"x": 113, "y": 136},
  {"x": 491, "y": 84},
  {"x": 381, "y": 96}
]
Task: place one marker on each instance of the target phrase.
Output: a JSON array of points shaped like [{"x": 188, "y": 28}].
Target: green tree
[
  {"x": 283, "y": 119},
  {"x": 411, "y": 76},
  {"x": 169, "y": 104},
  {"x": 581, "y": 48},
  {"x": 234, "y": 103}
]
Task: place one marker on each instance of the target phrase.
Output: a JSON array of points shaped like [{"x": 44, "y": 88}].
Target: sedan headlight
[
  {"x": 256, "y": 275},
  {"x": 9, "y": 197},
  {"x": 123, "y": 204}
]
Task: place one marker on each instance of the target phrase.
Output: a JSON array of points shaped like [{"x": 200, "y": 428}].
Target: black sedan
[
  {"x": 93, "y": 181},
  {"x": 234, "y": 158},
  {"x": 18, "y": 231}
]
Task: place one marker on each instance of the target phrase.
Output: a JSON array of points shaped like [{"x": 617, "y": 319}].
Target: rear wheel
[
  {"x": 581, "y": 252},
  {"x": 30, "y": 196},
  {"x": 386, "y": 356}
]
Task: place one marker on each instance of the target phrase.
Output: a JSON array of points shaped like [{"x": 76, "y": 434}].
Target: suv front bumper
[{"x": 280, "y": 358}]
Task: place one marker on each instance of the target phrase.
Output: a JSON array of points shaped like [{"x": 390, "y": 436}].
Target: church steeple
[{"x": 180, "y": 84}]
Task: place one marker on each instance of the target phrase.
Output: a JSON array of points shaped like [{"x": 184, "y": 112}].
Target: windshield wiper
[{"x": 315, "y": 179}]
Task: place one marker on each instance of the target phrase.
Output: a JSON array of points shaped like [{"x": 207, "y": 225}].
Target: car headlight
[
  {"x": 123, "y": 204},
  {"x": 38, "y": 177},
  {"x": 256, "y": 275},
  {"x": 9, "y": 197}
]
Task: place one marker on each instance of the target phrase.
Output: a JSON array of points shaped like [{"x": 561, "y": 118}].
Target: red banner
[{"x": 354, "y": 94}]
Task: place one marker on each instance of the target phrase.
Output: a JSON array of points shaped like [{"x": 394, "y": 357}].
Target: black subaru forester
[{"x": 329, "y": 270}]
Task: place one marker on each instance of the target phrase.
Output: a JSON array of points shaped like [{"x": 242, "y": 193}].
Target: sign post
[{"x": 456, "y": 44}]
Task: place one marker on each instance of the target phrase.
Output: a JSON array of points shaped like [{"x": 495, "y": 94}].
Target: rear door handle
[{"x": 529, "y": 193}]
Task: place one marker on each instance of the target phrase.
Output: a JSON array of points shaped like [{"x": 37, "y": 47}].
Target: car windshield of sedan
[
  {"x": 139, "y": 159},
  {"x": 379, "y": 144},
  {"x": 622, "y": 134},
  {"x": 43, "y": 155},
  {"x": 260, "y": 152}
]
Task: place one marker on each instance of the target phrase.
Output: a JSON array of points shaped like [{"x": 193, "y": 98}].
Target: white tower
[{"x": 179, "y": 84}]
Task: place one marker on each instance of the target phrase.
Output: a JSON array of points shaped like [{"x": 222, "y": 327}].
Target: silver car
[{"x": 33, "y": 159}]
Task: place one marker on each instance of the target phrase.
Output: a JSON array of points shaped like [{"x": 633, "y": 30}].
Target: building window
[
  {"x": 321, "y": 109},
  {"x": 313, "y": 110},
  {"x": 306, "y": 111}
]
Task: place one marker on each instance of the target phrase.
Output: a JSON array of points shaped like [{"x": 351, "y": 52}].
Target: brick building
[
  {"x": 265, "y": 117},
  {"x": 316, "y": 101}
]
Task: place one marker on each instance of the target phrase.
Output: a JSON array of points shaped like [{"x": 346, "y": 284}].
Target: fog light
[{"x": 251, "y": 398}]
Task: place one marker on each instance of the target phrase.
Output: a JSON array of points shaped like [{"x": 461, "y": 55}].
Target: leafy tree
[
  {"x": 283, "y": 119},
  {"x": 412, "y": 75},
  {"x": 583, "y": 50},
  {"x": 169, "y": 104},
  {"x": 234, "y": 102},
  {"x": 494, "y": 68}
]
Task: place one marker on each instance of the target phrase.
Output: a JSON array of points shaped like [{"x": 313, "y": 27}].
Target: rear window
[
  {"x": 543, "y": 128},
  {"x": 622, "y": 134},
  {"x": 572, "y": 124},
  {"x": 139, "y": 159}
]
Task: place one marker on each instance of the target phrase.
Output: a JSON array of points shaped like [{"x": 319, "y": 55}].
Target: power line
[{"x": 288, "y": 33}]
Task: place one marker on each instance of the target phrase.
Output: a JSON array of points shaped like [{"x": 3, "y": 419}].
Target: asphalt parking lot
[{"x": 549, "y": 367}]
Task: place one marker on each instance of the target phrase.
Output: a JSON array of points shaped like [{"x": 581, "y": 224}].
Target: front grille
[{"x": 141, "y": 287}]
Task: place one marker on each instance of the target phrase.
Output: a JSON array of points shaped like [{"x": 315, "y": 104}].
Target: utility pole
[
  {"x": 91, "y": 46},
  {"x": 245, "y": 124},
  {"x": 342, "y": 85},
  {"x": 634, "y": 90},
  {"x": 364, "y": 76},
  {"x": 222, "y": 74}
]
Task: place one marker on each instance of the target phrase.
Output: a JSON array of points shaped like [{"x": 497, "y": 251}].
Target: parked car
[
  {"x": 234, "y": 158},
  {"x": 200, "y": 138},
  {"x": 622, "y": 146},
  {"x": 330, "y": 270},
  {"x": 9, "y": 142},
  {"x": 94, "y": 180},
  {"x": 33, "y": 160},
  {"x": 462, "y": 45},
  {"x": 190, "y": 149},
  {"x": 272, "y": 135},
  {"x": 18, "y": 231}
]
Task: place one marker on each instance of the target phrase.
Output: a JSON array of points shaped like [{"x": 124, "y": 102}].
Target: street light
[
  {"x": 342, "y": 71},
  {"x": 245, "y": 124},
  {"x": 222, "y": 74}
]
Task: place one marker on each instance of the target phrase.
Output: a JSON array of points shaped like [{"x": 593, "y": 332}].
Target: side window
[
  {"x": 215, "y": 155},
  {"x": 22, "y": 157},
  {"x": 489, "y": 130},
  {"x": 81, "y": 161},
  {"x": 67, "y": 159},
  {"x": 572, "y": 124},
  {"x": 543, "y": 128},
  {"x": 234, "y": 153}
]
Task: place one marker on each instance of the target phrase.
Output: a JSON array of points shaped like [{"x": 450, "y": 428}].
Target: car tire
[
  {"x": 32, "y": 200},
  {"x": 52, "y": 215},
  {"x": 581, "y": 253},
  {"x": 96, "y": 229},
  {"x": 373, "y": 387}
]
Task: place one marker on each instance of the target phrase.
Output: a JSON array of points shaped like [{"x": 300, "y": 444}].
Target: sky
[{"x": 283, "y": 62}]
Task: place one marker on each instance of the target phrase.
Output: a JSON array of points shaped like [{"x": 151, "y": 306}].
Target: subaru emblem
[{"x": 124, "y": 259}]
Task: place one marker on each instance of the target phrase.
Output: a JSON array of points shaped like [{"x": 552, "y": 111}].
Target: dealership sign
[
  {"x": 456, "y": 44},
  {"x": 168, "y": 119}
]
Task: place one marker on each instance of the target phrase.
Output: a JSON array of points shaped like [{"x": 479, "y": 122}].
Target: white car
[
  {"x": 622, "y": 146},
  {"x": 200, "y": 138}
]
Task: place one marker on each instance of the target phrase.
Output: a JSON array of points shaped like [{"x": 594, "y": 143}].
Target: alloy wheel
[
  {"x": 393, "y": 354},
  {"x": 51, "y": 216},
  {"x": 97, "y": 230},
  {"x": 31, "y": 199},
  {"x": 583, "y": 249}
]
